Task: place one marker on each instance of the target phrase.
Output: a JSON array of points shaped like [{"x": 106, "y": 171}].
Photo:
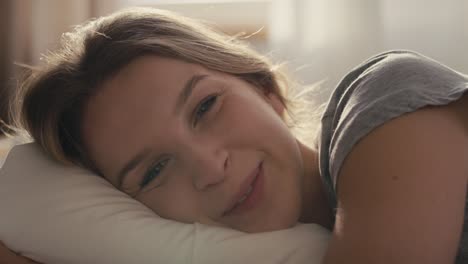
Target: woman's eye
[
  {"x": 204, "y": 107},
  {"x": 152, "y": 173}
]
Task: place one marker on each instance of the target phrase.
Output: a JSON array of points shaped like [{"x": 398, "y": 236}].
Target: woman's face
[{"x": 186, "y": 142}]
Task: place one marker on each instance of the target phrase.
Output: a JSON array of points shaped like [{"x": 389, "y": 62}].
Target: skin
[
  {"x": 10, "y": 257},
  {"x": 204, "y": 162}
]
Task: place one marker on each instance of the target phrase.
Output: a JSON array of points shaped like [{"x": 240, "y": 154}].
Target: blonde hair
[{"x": 50, "y": 101}]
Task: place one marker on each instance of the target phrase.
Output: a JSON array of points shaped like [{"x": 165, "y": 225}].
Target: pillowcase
[{"x": 64, "y": 214}]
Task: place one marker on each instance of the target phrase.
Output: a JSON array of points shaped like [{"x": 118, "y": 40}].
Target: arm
[
  {"x": 401, "y": 192},
  {"x": 9, "y": 257}
]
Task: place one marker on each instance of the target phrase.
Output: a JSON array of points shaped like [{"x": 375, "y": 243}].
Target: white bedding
[{"x": 58, "y": 214}]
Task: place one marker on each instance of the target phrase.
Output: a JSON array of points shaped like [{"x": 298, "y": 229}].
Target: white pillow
[{"x": 57, "y": 214}]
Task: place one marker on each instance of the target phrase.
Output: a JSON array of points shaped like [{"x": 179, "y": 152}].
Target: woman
[{"x": 194, "y": 125}]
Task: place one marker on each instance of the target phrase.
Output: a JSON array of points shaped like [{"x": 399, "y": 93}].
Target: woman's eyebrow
[
  {"x": 181, "y": 101},
  {"x": 131, "y": 165},
  {"x": 187, "y": 91}
]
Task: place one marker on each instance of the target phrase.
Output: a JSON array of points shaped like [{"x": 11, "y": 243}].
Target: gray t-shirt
[{"x": 378, "y": 90}]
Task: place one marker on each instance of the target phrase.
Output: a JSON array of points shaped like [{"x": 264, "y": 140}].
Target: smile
[{"x": 250, "y": 197}]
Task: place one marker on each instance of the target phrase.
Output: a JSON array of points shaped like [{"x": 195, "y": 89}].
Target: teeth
[{"x": 246, "y": 195}]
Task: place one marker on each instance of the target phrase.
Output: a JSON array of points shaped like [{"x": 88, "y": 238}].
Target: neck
[{"x": 315, "y": 204}]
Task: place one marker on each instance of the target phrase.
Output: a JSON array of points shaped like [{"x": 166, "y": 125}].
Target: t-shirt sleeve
[{"x": 378, "y": 90}]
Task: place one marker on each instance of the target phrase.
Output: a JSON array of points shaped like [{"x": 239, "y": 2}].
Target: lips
[{"x": 245, "y": 190}]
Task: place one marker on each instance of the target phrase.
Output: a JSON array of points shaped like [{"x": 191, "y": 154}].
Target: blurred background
[{"x": 319, "y": 39}]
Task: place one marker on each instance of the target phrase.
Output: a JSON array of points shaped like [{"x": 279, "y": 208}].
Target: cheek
[
  {"x": 248, "y": 117},
  {"x": 172, "y": 203}
]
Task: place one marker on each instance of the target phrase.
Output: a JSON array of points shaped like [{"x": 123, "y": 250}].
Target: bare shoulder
[
  {"x": 8, "y": 256},
  {"x": 402, "y": 190},
  {"x": 460, "y": 110}
]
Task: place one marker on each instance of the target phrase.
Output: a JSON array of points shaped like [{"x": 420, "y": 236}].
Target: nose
[{"x": 209, "y": 166}]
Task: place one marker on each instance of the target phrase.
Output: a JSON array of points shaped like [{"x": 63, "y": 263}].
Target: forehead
[
  {"x": 139, "y": 86},
  {"x": 140, "y": 96},
  {"x": 151, "y": 74}
]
